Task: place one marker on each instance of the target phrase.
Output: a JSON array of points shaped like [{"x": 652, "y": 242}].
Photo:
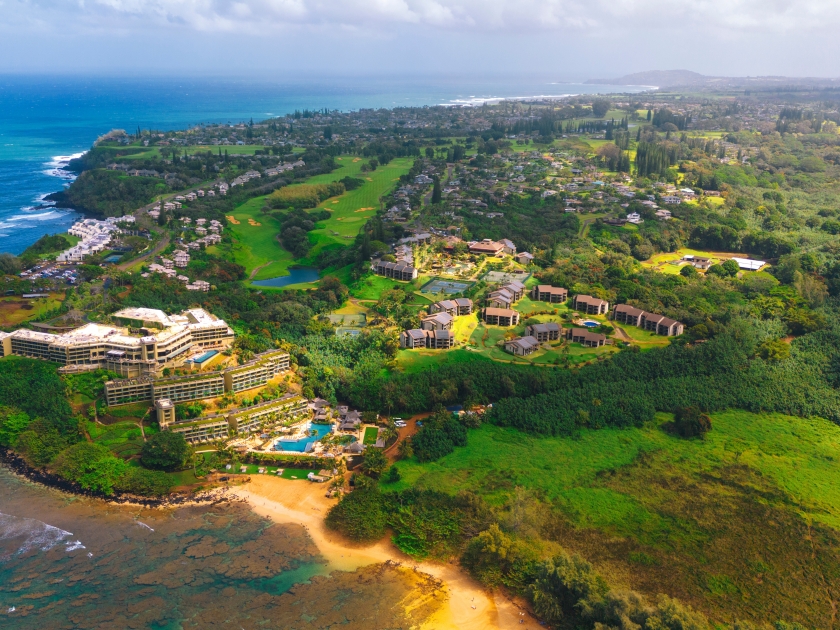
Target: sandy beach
[{"x": 469, "y": 607}]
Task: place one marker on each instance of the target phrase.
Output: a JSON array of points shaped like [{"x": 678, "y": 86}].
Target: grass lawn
[
  {"x": 742, "y": 524},
  {"x": 256, "y": 243},
  {"x": 668, "y": 262},
  {"x": 122, "y": 438},
  {"x": 351, "y": 210},
  {"x": 257, "y": 246},
  {"x": 371, "y": 286},
  {"x": 14, "y": 310},
  {"x": 413, "y": 361},
  {"x": 644, "y": 338},
  {"x": 463, "y": 327},
  {"x": 370, "y": 436}
]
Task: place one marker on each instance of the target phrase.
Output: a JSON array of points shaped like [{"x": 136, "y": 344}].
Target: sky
[{"x": 573, "y": 39}]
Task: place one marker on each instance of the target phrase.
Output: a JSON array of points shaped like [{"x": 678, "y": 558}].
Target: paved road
[{"x": 164, "y": 242}]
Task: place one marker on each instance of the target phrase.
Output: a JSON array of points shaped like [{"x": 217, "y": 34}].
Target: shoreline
[
  {"x": 469, "y": 605},
  {"x": 16, "y": 465}
]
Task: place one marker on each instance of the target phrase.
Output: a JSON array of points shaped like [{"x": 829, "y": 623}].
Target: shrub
[
  {"x": 690, "y": 422},
  {"x": 360, "y": 515},
  {"x": 165, "y": 451},
  {"x": 90, "y": 465}
]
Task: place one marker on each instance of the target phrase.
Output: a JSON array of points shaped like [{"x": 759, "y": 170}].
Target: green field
[
  {"x": 257, "y": 247},
  {"x": 742, "y": 524},
  {"x": 370, "y": 287},
  {"x": 14, "y": 310},
  {"x": 412, "y": 361},
  {"x": 351, "y": 210},
  {"x": 154, "y": 152}
]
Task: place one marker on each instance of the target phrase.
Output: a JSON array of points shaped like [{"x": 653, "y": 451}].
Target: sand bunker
[
  {"x": 232, "y": 219},
  {"x": 364, "y": 209},
  {"x": 357, "y": 160},
  {"x": 254, "y": 223}
]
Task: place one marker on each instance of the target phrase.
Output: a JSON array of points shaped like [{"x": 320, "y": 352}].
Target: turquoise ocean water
[{"x": 44, "y": 121}]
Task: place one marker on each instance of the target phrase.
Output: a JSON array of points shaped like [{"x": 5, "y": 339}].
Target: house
[
  {"x": 698, "y": 262},
  {"x": 500, "y": 316},
  {"x": 590, "y": 305},
  {"x": 635, "y": 217},
  {"x": 508, "y": 247},
  {"x": 350, "y": 420},
  {"x": 397, "y": 271},
  {"x": 544, "y": 332},
  {"x": 671, "y": 200},
  {"x": 438, "y": 321},
  {"x": 522, "y": 346},
  {"x": 585, "y": 337},
  {"x": 487, "y": 247},
  {"x": 663, "y": 215},
  {"x": 548, "y": 293},
  {"x": 524, "y": 258}
]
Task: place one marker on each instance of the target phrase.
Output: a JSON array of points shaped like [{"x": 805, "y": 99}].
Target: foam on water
[{"x": 28, "y": 534}]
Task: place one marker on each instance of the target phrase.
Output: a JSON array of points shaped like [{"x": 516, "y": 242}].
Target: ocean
[
  {"x": 74, "y": 563},
  {"x": 45, "y": 121}
]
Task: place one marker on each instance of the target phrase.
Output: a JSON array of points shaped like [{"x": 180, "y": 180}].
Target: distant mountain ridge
[
  {"x": 659, "y": 78},
  {"x": 688, "y": 78}
]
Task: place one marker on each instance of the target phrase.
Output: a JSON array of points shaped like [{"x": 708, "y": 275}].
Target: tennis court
[
  {"x": 348, "y": 319},
  {"x": 436, "y": 285}
]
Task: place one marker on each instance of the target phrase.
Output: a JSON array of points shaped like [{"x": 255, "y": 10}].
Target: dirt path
[
  {"x": 469, "y": 607},
  {"x": 621, "y": 333},
  {"x": 410, "y": 428},
  {"x": 256, "y": 269}
]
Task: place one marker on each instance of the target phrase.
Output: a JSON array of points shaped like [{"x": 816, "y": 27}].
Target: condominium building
[
  {"x": 500, "y": 316},
  {"x": 434, "y": 339},
  {"x": 548, "y": 293},
  {"x": 456, "y": 307},
  {"x": 590, "y": 305},
  {"x": 653, "y": 322},
  {"x": 395, "y": 270}
]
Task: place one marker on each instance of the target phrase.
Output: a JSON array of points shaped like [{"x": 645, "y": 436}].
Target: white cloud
[{"x": 700, "y": 17}]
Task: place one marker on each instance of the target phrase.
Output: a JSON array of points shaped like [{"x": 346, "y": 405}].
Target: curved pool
[{"x": 591, "y": 324}]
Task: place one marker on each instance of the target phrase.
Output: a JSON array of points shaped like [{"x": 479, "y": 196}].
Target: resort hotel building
[
  {"x": 139, "y": 342},
  {"x": 199, "y": 385}
]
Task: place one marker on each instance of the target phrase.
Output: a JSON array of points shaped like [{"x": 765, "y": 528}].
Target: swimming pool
[
  {"x": 204, "y": 357},
  {"x": 300, "y": 446},
  {"x": 591, "y": 324}
]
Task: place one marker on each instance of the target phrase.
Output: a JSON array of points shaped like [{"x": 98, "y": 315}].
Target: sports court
[{"x": 447, "y": 287}]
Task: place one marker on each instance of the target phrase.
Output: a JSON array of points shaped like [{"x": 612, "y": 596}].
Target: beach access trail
[{"x": 469, "y": 607}]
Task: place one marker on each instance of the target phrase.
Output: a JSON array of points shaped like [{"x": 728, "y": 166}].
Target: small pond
[{"x": 296, "y": 275}]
